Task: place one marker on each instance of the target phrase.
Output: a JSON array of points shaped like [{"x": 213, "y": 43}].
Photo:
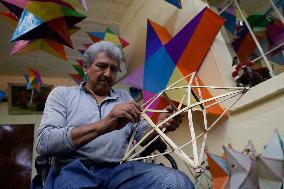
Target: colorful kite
[
  {"x": 78, "y": 78},
  {"x": 250, "y": 150},
  {"x": 242, "y": 170},
  {"x": 33, "y": 79},
  {"x": 219, "y": 171},
  {"x": 259, "y": 22},
  {"x": 170, "y": 58},
  {"x": 47, "y": 20},
  {"x": 108, "y": 35},
  {"x": 275, "y": 32},
  {"x": 45, "y": 26},
  {"x": 3, "y": 96},
  {"x": 10, "y": 18},
  {"x": 248, "y": 170},
  {"x": 176, "y": 3},
  {"x": 230, "y": 21},
  {"x": 15, "y": 6},
  {"x": 270, "y": 165}
]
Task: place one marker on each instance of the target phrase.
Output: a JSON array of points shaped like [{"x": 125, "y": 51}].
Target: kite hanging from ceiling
[
  {"x": 43, "y": 25},
  {"x": 265, "y": 25},
  {"x": 33, "y": 82}
]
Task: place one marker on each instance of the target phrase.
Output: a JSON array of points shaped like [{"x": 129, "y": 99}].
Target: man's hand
[
  {"x": 173, "y": 123},
  {"x": 121, "y": 114}
]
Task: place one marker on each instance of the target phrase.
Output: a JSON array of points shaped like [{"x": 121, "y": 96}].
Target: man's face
[{"x": 101, "y": 74}]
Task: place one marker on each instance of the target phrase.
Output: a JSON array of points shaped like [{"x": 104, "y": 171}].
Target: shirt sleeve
[{"x": 53, "y": 135}]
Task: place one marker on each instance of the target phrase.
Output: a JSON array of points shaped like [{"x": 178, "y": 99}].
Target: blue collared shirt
[{"x": 69, "y": 107}]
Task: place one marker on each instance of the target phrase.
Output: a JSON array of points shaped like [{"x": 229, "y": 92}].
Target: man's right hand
[{"x": 122, "y": 114}]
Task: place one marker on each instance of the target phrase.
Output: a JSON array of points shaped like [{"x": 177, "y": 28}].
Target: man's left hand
[{"x": 173, "y": 123}]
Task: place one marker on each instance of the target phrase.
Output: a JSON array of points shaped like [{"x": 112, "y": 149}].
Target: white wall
[
  {"x": 257, "y": 116},
  {"x": 35, "y": 119}
]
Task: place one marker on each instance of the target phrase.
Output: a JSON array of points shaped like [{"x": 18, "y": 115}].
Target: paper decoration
[
  {"x": 108, "y": 35},
  {"x": 33, "y": 79},
  {"x": 15, "y": 6},
  {"x": 171, "y": 58},
  {"x": 46, "y": 26},
  {"x": 45, "y": 44},
  {"x": 3, "y": 96},
  {"x": 275, "y": 32},
  {"x": 219, "y": 171},
  {"x": 80, "y": 4},
  {"x": 244, "y": 45},
  {"x": 270, "y": 165},
  {"x": 250, "y": 150},
  {"x": 195, "y": 159},
  {"x": 135, "y": 79},
  {"x": 10, "y": 18},
  {"x": 230, "y": 21},
  {"x": 47, "y": 20},
  {"x": 78, "y": 78},
  {"x": 176, "y": 3},
  {"x": 249, "y": 170},
  {"x": 242, "y": 170}
]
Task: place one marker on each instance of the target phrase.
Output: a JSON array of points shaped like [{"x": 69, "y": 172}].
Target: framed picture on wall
[{"x": 23, "y": 101}]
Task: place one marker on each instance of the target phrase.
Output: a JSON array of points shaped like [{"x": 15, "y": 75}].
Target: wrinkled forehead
[{"x": 107, "y": 58}]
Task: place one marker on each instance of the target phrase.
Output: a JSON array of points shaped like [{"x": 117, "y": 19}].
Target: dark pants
[{"x": 130, "y": 175}]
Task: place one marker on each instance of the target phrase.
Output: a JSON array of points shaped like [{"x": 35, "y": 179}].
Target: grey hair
[{"x": 109, "y": 48}]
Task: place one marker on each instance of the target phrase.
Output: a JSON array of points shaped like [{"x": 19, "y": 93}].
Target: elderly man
[{"x": 86, "y": 129}]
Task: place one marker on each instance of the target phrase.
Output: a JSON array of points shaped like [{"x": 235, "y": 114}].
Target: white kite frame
[{"x": 195, "y": 162}]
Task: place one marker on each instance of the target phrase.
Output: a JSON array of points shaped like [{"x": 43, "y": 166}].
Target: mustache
[{"x": 105, "y": 79}]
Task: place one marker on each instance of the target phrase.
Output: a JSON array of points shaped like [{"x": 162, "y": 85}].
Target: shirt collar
[{"x": 111, "y": 95}]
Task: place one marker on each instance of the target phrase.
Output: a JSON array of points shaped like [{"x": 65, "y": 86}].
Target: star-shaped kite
[
  {"x": 44, "y": 25},
  {"x": 169, "y": 58},
  {"x": 47, "y": 20},
  {"x": 15, "y": 6},
  {"x": 108, "y": 35}
]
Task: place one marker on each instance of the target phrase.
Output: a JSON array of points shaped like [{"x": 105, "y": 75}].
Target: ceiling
[{"x": 100, "y": 14}]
